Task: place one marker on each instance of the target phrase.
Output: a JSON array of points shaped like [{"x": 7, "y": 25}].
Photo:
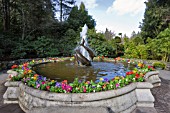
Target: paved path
[
  {"x": 161, "y": 94},
  {"x": 6, "y": 108},
  {"x": 164, "y": 74}
]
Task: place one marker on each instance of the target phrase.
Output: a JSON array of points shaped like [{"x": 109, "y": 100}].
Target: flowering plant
[{"x": 30, "y": 78}]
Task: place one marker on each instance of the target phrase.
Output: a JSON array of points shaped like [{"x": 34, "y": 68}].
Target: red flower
[
  {"x": 102, "y": 57},
  {"x": 149, "y": 67},
  {"x": 25, "y": 72},
  {"x": 25, "y": 64},
  {"x": 129, "y": 73},
  {"x": 137, "y": 75},
  {"x": 14, "y": 66},
  {"x": 64, "y": 81},
  {"x": 48, "y": 87}
]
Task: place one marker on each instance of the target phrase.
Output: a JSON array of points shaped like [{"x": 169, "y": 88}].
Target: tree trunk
[
  {"x": 61, "y": 10},
  {"x": 23, "y": 21},
  {"x": 6, "y": 15}
]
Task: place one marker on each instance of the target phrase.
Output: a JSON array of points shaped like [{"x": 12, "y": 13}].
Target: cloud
[
  {"x": 127, "y": 7},
  {"x": 89, "y": 4}
]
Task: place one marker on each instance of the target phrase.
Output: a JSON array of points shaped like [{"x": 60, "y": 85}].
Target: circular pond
[{"x": 68, "y": 71}]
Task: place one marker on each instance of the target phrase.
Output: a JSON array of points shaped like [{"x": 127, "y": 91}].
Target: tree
[
  {"x": 23, "y": 20},
  {"x": 64, "y": 8},
  {"x": 6, "y": 14},
  {"x": 79, "y": 17},
  {"x": 109, "y": 34},
  {"x": 160, "y": 47},
  {"x": 100, "y": 45},
  {"x": 155, "y": 13}
]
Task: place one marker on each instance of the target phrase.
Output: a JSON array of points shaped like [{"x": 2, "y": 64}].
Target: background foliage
[{"x": 30, "y": 29}]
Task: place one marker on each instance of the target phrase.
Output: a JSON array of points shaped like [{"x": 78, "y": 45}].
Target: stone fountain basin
[{"x": 123, "y": 100}]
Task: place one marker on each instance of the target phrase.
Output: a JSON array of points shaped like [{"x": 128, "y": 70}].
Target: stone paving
[{"x": 161, "y": 94}]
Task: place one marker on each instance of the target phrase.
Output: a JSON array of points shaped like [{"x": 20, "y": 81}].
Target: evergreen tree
[
  {"x": 154, "y": 18},
  {"x": 64, "y": 7}
]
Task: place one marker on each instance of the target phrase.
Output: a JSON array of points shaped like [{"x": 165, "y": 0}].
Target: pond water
[{"x": 68, "y": 71}]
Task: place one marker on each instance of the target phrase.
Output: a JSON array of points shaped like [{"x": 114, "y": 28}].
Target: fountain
[
  {"x": 36, "y": 93},
  {"x": 84, "y": 55}
]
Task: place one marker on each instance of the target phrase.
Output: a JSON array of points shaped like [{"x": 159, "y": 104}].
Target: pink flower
[
  {"x": 38, "y": 85},
  {"x": 117, "y": 85},
  {"x": 43, "y": 82},
  {"x": 84, "y": 89},
  {"x": 68, "y": 88}
]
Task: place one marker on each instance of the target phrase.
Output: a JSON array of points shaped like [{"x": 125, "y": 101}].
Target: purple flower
[
  {"x": 93, "y": 86},
  {"x": 39, "y": 77},
  {"x": 28, "y": 79},
  {"x": 44, "y": 78},
  {"x": 58, "y": 84},
  {"x": 22, "y": 67},
  {"x": 37, "y": 82},
  {"x": 106, "y": 80},
  {"x": 80, "y": 81}
]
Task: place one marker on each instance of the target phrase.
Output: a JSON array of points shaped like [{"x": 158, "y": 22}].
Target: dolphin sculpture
[{"x": 83, "y": 54}]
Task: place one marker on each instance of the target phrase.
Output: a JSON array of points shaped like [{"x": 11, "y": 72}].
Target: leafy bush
[{"x": 159, "y": 65}]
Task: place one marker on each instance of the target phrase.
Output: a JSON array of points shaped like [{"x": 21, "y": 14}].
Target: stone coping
[
  {"x": 12, "y": 83},
  {"x": 151, "y": 73},
  {"x": 85, "y": 96}
]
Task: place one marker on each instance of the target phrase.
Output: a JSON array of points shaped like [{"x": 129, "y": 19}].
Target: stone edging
[
  {"x": 153, "y": 78},
  {"x": 123, "y": 100}
]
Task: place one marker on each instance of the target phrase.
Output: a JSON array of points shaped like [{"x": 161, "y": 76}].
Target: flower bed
[
  {"x": 121, "y": 94},
  {"x": 30, "y": 78}
]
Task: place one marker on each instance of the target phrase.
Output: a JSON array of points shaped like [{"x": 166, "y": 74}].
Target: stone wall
[
  {"x": 153, "y": 78},
  {"x": 123, "y": 100}
]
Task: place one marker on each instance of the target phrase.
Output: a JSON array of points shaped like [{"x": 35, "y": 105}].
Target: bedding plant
[{"x": 30, "y": 78}]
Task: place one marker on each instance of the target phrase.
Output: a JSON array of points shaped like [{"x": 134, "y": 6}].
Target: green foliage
[
  {"x": 42, "y": 47},
  {"x": 68, "y": 42},
  {"x": 160, "y": 47},
  {"x": 79, "y": 17},
  {"x": 155, "y": 16},
  {"x": 117, "y": 39},
  {"x": 34, "y": 31},
  {"x": 100, "y": 45},
  {"x": 159, "y": 65},
  {"x": 134, "y": 48}
]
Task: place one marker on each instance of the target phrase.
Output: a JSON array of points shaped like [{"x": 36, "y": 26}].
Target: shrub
[{"x": 159, "y": 65}]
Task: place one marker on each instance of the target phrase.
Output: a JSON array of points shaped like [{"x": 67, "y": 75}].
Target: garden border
[{"x": 123, "y": 100}]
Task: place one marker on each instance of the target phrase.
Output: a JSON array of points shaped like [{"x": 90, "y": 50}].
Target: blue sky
[{"x": 119, "y": 16}]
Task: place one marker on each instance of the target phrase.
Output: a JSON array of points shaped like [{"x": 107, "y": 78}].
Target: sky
[{"x": 119, "y": 16}]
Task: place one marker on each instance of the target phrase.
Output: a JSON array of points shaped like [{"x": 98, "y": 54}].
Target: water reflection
[{"x": 68, "y": 71}]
